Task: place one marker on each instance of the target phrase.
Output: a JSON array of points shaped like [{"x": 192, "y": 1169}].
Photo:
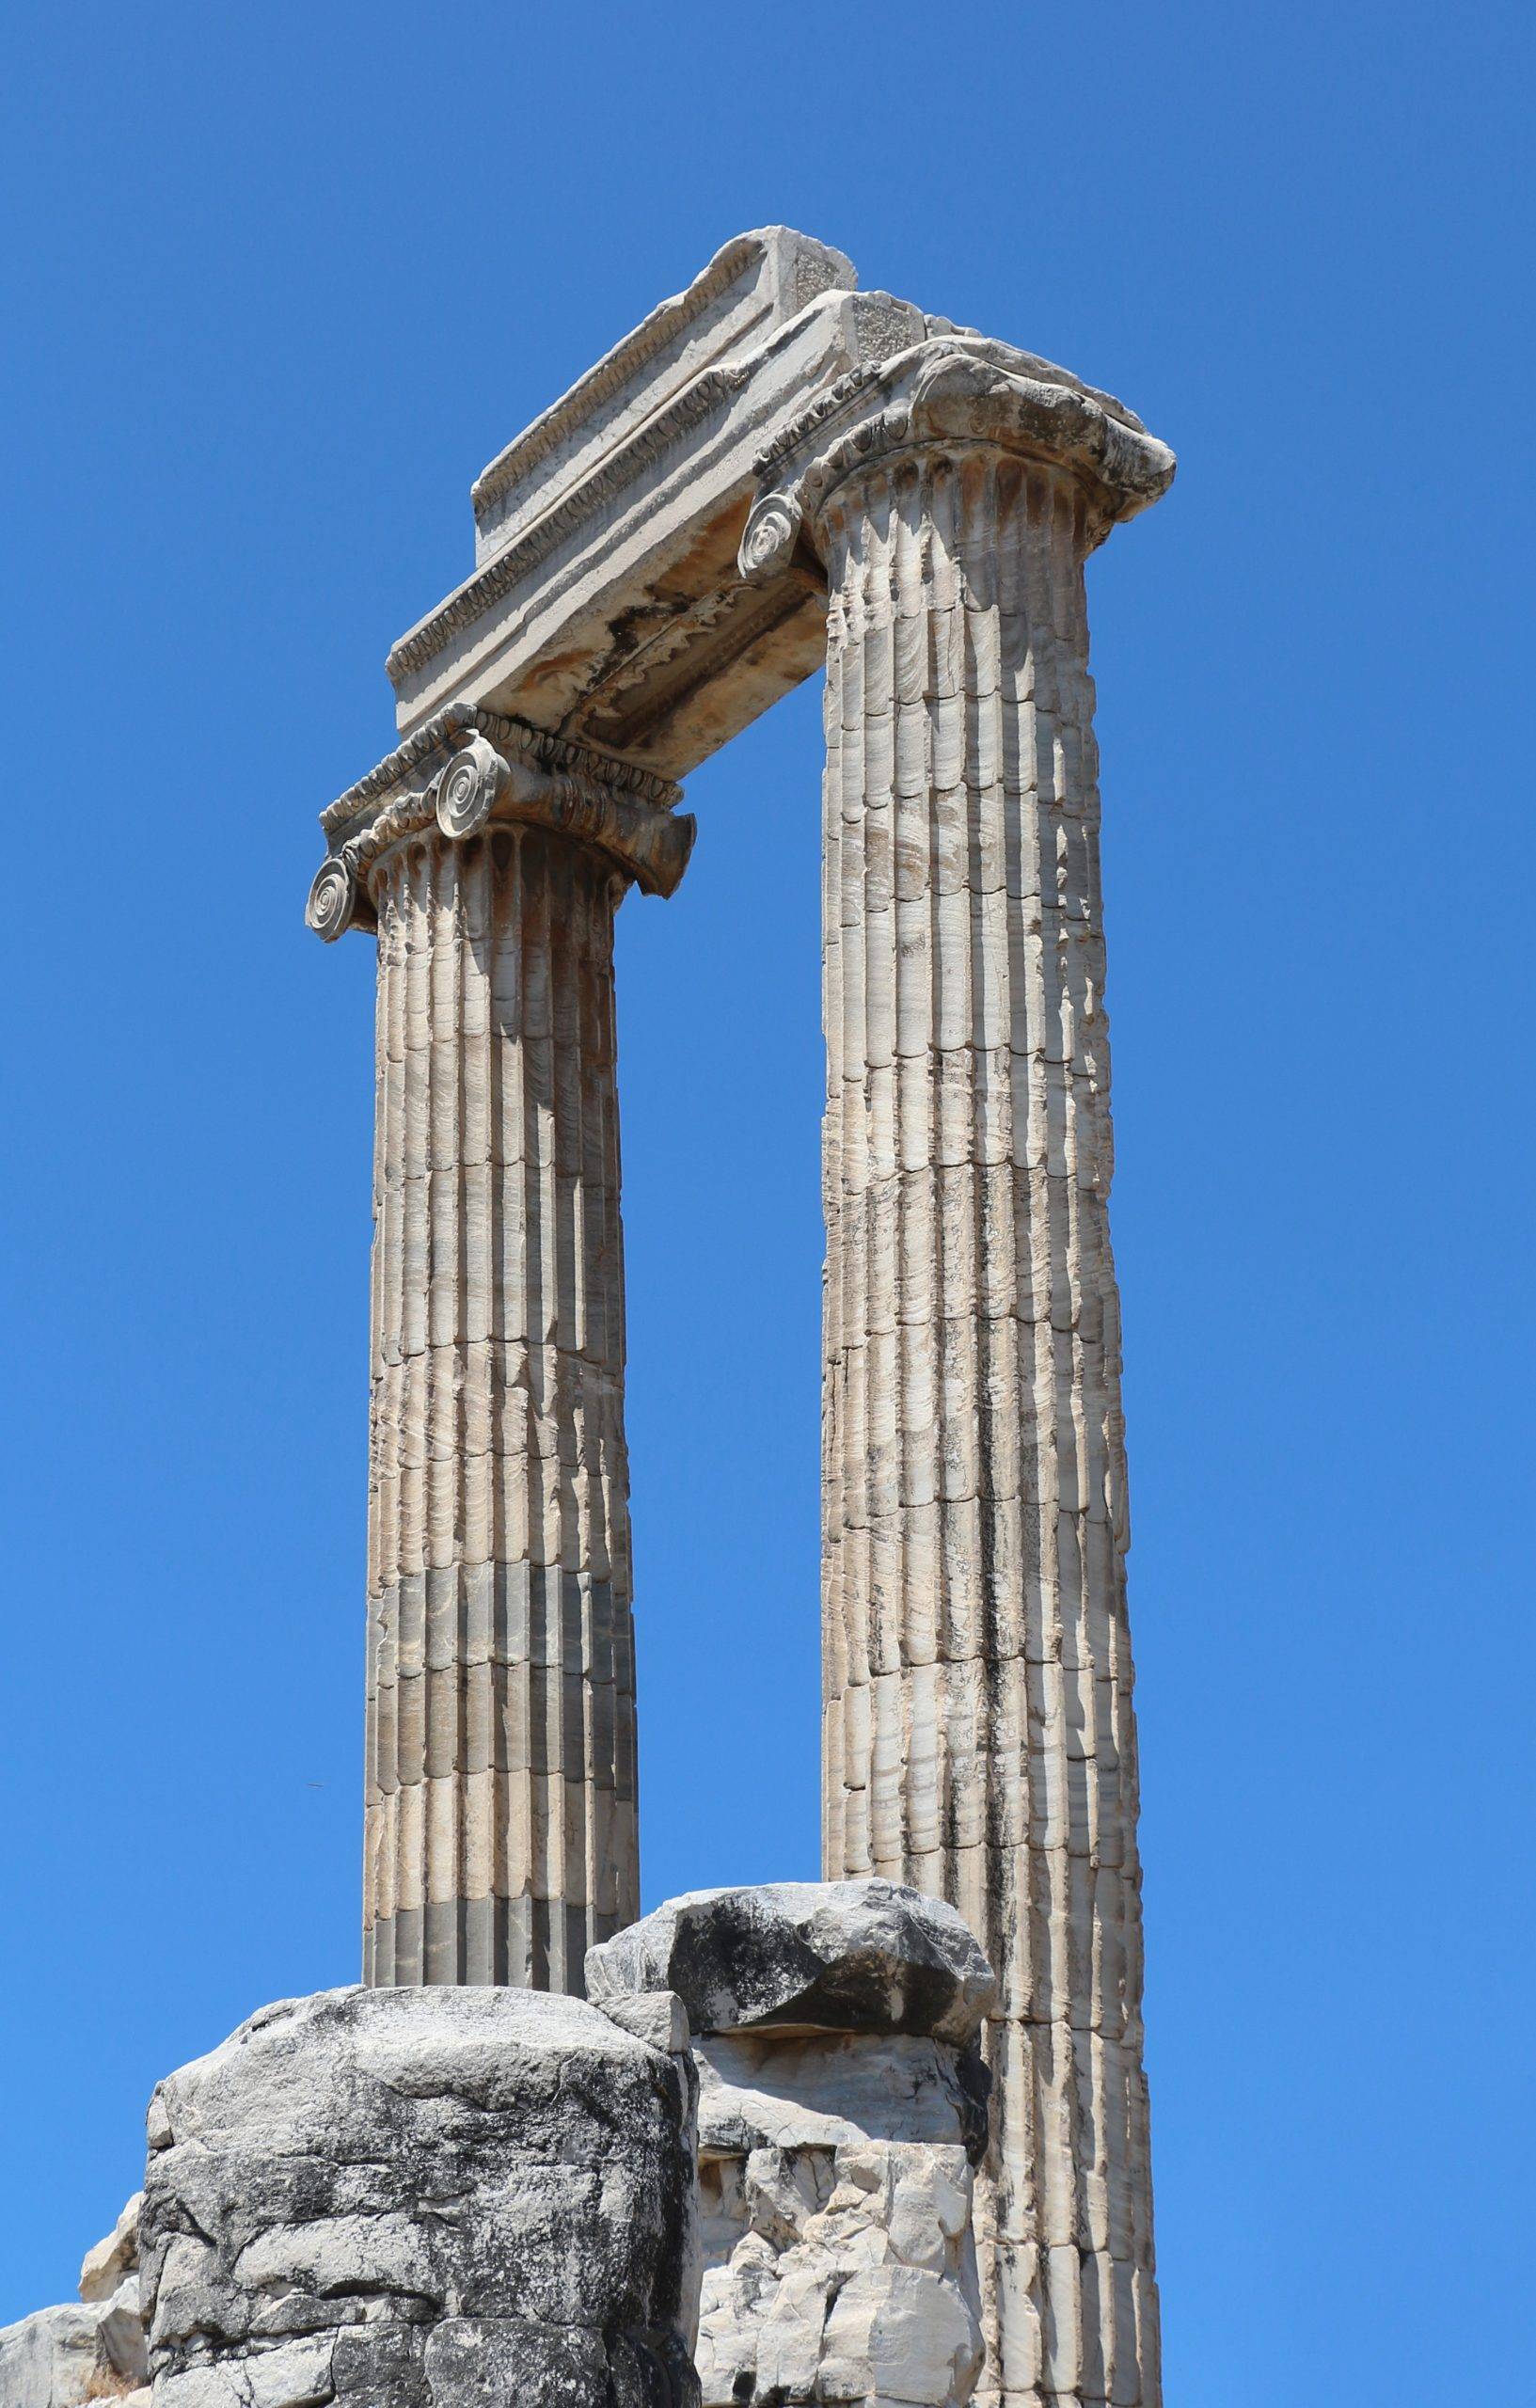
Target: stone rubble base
[
  {"x": 423, "y": 2198},
  {"x": 63, "y": 2357},
  {"x": 473, "y": 2197},
  {"x": 839, "y": 2274},
  {"x": 842, "y": 2109}
]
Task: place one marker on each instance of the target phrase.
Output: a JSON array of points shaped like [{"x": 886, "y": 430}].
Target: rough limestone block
[
  {"x": 64, "y": 2356},
  {"x": 423, "y": 2198},
  {"x": 842, "y": 2273},
  {"x": 763, "y": 2090},
  {"x": 804, "y": 1955},
  {"x": 657, "y": 2015},
  {"x": 901, "y": 2333},
  {"x": 842, "y": 2107},
  {"x": 105, "y": 2267},
  {"x": 48, "y": 2359}
]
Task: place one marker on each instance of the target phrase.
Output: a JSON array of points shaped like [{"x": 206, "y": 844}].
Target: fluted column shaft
[
  {"x": 500, "y": 1812},
  {"x": 978, "y": 1733}
]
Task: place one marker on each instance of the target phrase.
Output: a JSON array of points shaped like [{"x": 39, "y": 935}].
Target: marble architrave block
[{"x": 605, "y": 603}]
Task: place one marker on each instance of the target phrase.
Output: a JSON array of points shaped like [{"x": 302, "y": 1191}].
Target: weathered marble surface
[
  {"x": 841, "y": 2106},
  {"x": 978, "y": 1737},
  {"x": 423, "y": 2198},
  {"x": 605, "y": 603},
  {"x": 839, "y": 2273},
  {"x": 501, "y": 1803},
  {"x": 815, "y": 1956},
  {"x": 62, "y": 2357}
]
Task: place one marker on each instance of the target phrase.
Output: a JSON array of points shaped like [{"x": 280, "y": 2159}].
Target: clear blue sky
[{"x": 277, "y": 283}]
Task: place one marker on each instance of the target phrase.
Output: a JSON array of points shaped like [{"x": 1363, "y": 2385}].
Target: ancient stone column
[
  {"x": 978, "y": 1737},
  {"x": 501, "y": 1811}
]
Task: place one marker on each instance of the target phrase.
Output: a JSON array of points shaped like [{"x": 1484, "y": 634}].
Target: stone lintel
[
  {"x": 753, "y": 282},
  {"x": 619, "y": 598},
  {"x": 606, "y": 602}
]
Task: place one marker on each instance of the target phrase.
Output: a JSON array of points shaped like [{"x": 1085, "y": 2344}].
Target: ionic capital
[
  {"x": 468, "y": 768},
  {"x": 951, "y": 392}
]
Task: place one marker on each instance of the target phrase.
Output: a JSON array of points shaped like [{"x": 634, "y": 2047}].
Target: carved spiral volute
[
  {"x": 772, "y": 533},
  {"x": 626, "y": 814},
  {"x": 333, "y": 899},
  {"x": 470, "y": 787}
]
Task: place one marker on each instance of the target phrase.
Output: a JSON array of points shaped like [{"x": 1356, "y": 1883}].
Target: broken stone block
[
  {"x": 806, "y": 1956},
  {"x": 842, "y": 2109},
  {"x": 657, "y": 2015},
  {"x": 423, "y": 2198},
  {"x": 49, "y": 2359},
  {"x": 901, "y": 2333},
  {"x": 105, "y": 2266},
  {"x": 62, "y": 2357}
]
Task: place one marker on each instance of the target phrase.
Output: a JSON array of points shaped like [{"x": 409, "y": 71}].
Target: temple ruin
[{"x": 909, "y": 2101}]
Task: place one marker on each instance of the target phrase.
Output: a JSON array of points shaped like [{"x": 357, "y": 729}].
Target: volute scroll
[{"x": 495, "y": 770}]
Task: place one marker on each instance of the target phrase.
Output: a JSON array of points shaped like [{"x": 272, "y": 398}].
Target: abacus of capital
[{"x": 775, "y": 471}]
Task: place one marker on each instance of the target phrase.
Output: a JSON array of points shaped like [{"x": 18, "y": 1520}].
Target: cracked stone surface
[
  {"x": 64, "y": 2356},
  {"x": 842, "y": 2272},
  {"x": 423, "y": 2198},
  {"x": 813, "y": 1956},
  {"x": 842, "y": 2112}
]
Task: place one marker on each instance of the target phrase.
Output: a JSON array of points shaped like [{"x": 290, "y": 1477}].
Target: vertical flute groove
[
  {"x": 978, "y": 1731},
  {"x": 501, "y": 1831}
]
